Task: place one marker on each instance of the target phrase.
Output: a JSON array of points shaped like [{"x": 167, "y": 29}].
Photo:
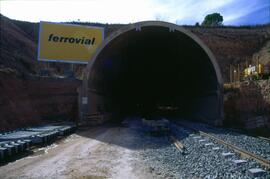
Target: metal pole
[
  {"x": 230, "y": 73},
  {"x": 238, "y": 72}
]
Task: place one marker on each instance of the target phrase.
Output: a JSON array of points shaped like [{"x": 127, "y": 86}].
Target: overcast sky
[{"x": 235, "y": 12}]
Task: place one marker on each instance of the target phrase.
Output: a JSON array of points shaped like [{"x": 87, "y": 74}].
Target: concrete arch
[
  {"x": 170, "y": 26},
  {"x": 140, "y": 26}
]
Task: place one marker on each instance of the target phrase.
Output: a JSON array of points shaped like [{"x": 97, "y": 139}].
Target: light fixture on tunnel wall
[
  {"x": 160, "y": 56},
  {"x": 171, "y": 29},
  {"x": 138, "y": 28}
]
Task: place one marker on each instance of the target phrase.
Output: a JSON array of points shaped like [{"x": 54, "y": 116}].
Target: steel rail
[
  {"x": 243, "y": 153},
  {"x": 178, "y": 144},
  {"x": 240, "y": 151}
]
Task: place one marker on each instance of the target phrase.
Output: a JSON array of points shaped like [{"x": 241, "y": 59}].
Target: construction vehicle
[{"x": 258, "y": 71}]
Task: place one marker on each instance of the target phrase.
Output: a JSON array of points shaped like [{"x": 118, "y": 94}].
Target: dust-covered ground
[
  {"x": 129, "y": 151},
  {"x": 100, "y": 152}
]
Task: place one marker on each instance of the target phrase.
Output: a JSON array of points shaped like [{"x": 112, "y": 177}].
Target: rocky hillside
[
  {"x": 18, "y": 49},
  {"x": 19, "y": 42},
  {"x": 263, "y": 56},
  {"x": 234, "y": 45},
  {"x": 231, "y": 45}
]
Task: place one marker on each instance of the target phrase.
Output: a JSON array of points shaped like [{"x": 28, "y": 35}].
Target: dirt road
[{"x": 103, "y": 152}]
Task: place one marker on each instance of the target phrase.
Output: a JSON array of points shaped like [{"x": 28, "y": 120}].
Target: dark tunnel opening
[{"x": 154, "y": 71}]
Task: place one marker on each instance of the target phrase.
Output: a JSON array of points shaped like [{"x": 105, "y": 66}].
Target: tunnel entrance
[{"x": 150, "y": 69}]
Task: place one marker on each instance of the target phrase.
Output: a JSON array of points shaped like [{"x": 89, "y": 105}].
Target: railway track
[
  {"x": 243, "y": 153},
  {"x": 265, "y": 138},
  {"x": 178, "y": 144}
]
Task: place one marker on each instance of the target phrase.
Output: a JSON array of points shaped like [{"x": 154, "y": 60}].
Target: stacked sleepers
[
  {"x": 11, "y": 148},
  {"x": 14, "y": 142}
]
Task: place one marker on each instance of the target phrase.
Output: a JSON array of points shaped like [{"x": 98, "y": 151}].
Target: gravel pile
[{"x": 161, "y": 157}]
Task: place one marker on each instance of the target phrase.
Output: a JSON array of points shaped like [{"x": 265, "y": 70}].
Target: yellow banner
[{"x": 67, "y": 42}]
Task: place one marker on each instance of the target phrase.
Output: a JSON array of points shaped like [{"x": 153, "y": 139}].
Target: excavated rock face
[
  {"x": 250, "y": 100},
  {"x": 263, "y": 56},
  {"x": 234, "y": 46},
  {"x": 264, "y": 85},
  {"x": 28, "y": 102}
]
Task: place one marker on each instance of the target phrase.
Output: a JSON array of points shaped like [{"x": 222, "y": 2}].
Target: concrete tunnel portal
[{"x": 153, "y": 68}]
